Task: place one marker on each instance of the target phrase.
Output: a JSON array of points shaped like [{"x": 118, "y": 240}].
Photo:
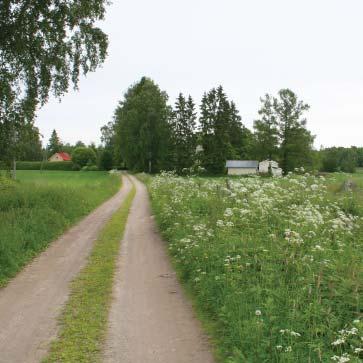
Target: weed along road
[
  {"x": 32, "y": 301},
  {"x": 150, "y": 319}
]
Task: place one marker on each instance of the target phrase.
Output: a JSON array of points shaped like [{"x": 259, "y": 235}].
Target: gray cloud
[{"x": 250, "y": 47}]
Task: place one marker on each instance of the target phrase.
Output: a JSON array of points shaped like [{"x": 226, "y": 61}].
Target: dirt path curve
[
  {"x": 31, "y": 302},
  {"x": 150, "y": 320}
]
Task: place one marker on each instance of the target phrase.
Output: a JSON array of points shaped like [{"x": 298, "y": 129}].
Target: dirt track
[
  {"x": 31, "y": 302},
  {"x": 150, "y": 319}
]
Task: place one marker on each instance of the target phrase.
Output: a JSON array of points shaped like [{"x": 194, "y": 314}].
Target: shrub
[
  {"x": 39, "y": 165},
  {"x": 83, "y": 156},
  {"x": 106, "y": 160}
]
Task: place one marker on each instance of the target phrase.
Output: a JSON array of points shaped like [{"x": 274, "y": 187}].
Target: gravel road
[
  {"x": 31, "y": 302},
  {"x": 150, "y": 320}
]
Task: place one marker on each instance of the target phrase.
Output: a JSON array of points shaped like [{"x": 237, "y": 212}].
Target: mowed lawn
[{"x": 40, "y": 206}]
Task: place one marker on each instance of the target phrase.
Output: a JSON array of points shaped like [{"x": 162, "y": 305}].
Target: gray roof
[{"x": 242, "y": 164}]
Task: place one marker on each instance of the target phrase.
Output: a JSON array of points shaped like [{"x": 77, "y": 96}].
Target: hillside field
[
  {"x": 274, "y": 266},
  {"x": 40, "y": 206}
]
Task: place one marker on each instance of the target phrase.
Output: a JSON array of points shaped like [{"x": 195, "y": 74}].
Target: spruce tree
[
  {"x": 215, "y": 125},
  {"x": 183, "y": 123},
  {"x": 240, "y": 137},
  {"x": 54, "y": 144}
]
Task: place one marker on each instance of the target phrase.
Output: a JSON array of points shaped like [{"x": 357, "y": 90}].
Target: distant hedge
[{"x": 37, "y": 165}]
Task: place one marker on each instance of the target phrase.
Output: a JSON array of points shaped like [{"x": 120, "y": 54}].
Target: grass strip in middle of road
[{"x": 85, "y": 316}]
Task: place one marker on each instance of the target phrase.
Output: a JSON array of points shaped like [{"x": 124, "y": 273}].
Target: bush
[
  {"x": 83, "y": 156},
  {"x": 106, "y": 160},
  {"x": 39, "y": 165}
]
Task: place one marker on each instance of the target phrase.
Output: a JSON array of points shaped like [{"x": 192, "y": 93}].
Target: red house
[{"x": 61, "y": 156}]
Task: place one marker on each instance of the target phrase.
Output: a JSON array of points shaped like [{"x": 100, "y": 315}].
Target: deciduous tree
[
  {"x": 44, "y": 46},
  {"x": 142, "y": 130}
]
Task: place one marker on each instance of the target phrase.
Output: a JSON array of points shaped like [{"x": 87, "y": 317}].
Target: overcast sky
[{"x": 251, "y": 47}]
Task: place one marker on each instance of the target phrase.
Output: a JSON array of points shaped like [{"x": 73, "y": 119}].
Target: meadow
[
  {"x": 40, "y": 206},
  {"x": 274, "y": 266}
]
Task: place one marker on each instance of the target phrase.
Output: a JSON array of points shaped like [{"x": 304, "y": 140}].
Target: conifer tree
[
  {"x": 54, "y": 144},
  {"x": 240, "y": 137},
  {"x": 183, "y": 123},
  {"x": 215, "y": 125}
]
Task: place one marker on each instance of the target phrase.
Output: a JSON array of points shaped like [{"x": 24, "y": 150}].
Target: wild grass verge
[
  {"x": 84, "y": 320},
  {"x": 40, "y": 206},
  {"x": 275, "y": 265}
]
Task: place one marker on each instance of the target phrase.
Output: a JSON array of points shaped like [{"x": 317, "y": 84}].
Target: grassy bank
[
  {"x": 84, "y": 320},
  {"x": 276, "y": 265},
  {"x": 40, "y": 206}
]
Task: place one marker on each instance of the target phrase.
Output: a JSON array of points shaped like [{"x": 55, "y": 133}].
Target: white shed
[
  {"x": 242, "y": 167},
  {"x": 264, "y": 167}
]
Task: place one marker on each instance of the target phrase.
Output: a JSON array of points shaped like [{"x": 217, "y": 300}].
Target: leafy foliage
[
  {"x": 281, "y": 132},
  {"x": 39, "y": 165},
  {"x": 340, "y": 159},
  {"x": 142, "y": 129},
  {"x": 83, "y": 156},
  {"x": 44, "y": 46}
]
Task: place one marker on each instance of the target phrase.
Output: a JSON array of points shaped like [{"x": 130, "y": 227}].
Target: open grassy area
[
  {"x": 84, "y": 320},
  {"x": 40, "y": 206},
  {"x": 275, "y": 265}
]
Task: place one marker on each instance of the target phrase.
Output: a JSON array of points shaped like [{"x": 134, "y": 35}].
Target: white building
[
  {"x": 242, "y": 167},
  {"x": 265, "y": 166}
]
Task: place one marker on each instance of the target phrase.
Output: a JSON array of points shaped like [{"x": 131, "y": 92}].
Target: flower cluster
[{"x": 284, "y": 245}]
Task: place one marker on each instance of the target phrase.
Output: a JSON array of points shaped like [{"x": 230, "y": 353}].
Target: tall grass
[
  {"x": 275, "y": 264},
  {"x": 40, "y": 206}
]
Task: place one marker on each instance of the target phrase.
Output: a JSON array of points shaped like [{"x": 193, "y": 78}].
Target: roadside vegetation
[
  {"x": 85, "y": 316},
  {"x": 40, "y": 206},
  {"x": 276, "y": 265}
]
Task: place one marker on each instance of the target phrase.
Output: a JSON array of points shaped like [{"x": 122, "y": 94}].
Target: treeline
[
  {"x": 30, "y": 155},
  {"x": 84, "y": 157},
  {"x": 337, "y": 159},
  {"x": 147, "y": 134}
]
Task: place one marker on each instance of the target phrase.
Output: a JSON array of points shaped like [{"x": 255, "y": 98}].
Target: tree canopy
[
  {"x": 44, "y": 46},
  {"x": 281, "y": 132},
  {"x": 142, "y": 128}
]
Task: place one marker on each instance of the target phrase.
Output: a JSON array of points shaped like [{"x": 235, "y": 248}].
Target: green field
[
  {"x": 40, "y": 206},
  {"x": 274, "y": 266}
]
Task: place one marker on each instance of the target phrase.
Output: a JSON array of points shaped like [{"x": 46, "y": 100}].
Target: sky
[{"x": 250, "y": 47}]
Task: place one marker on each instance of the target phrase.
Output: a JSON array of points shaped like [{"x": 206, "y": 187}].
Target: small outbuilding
[
  {"x": 61, "y": 156},
  {"x": 242, "y": 167},
  {"x": 267, "y": 166}
]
